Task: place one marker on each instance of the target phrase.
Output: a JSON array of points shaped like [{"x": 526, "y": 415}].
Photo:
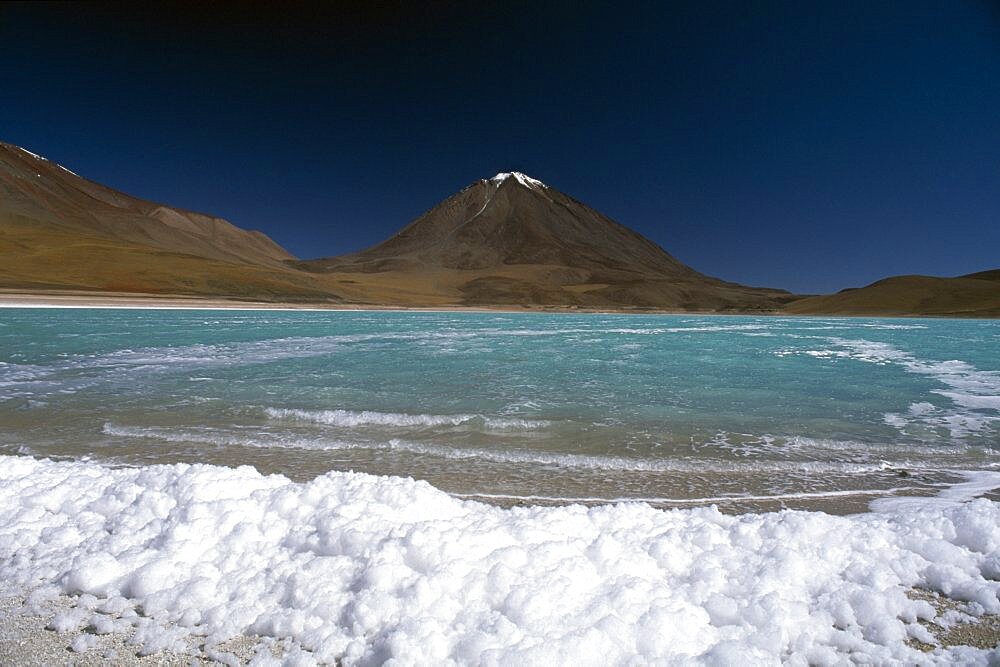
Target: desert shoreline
[
  {"x": 124, "y": 300},
  {"x": 75, "y": 299}
]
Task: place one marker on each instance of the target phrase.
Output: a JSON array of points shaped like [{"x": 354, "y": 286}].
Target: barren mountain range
[{"x": 507, "y": 241}]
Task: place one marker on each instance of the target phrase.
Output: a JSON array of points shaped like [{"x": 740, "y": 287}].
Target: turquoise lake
[{"x": 676, "y": 410}]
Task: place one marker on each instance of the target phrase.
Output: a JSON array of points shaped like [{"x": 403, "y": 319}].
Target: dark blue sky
[{"x": 810, "y": 146}]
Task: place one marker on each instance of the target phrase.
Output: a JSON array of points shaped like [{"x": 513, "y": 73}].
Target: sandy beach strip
[
  {"x": 124, "y": 300},
  {"x": 76, "y": 299}
]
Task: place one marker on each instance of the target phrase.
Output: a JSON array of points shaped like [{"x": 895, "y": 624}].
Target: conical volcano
[
  {"x": 512, "y": 239},
  {"x": 514, "y": 219}
]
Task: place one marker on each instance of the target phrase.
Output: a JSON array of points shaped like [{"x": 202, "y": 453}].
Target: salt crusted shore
[
  {"x": 358, "y": 569},
  {"x": 28, "y": 639}
]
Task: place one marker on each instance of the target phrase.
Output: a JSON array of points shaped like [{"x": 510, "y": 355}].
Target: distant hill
[
  {"x": 513, "y": 240},
  {"x": 972, "y": 295},
  {"x": 61, "y": 231},
  {"x": 984, "y": 275}
]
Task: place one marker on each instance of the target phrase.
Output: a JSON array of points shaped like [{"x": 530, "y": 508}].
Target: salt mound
[{"x": 362, "y": 569}]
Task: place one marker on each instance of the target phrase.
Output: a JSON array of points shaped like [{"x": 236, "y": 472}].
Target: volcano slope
[{"x": 512, "y": 240}]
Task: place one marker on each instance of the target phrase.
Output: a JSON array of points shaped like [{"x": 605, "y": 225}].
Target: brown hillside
[
  {"x": 34, "y": 188},
  {"x": 984, "y": 275},
  {"x": 975, "y": 295},
  {"x": 61, "y": 231}
]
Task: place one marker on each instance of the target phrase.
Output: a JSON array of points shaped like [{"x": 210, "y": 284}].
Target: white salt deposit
[{"x": 362, "y": 569}]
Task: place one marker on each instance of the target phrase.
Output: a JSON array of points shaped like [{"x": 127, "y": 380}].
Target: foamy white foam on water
[
  {"x": 249, "y": 437},
  {"x": 976, "y": 483},
  {"x": 974, "y": 393},
  {"x": 156, "y": 361},
  {"x": 373, "y": 418},
  {"x": 359, "y": 569},
  {"x": 662, "y": 500}
]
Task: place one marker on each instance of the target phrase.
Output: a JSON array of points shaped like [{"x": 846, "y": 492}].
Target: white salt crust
[{"x": 362, "y": 569}]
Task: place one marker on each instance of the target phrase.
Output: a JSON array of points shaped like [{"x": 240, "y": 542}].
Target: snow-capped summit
[
  {"x": 523, "y": 179},
  {"x": 514, "y": 220},
  {"x": 34, "y": 155},
  {"x": 43, "y": 159}
]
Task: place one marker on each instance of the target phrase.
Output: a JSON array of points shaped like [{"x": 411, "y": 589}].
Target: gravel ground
[
  {"x": 982, "y": 632},
  {"x": 27, "y": 640}
]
